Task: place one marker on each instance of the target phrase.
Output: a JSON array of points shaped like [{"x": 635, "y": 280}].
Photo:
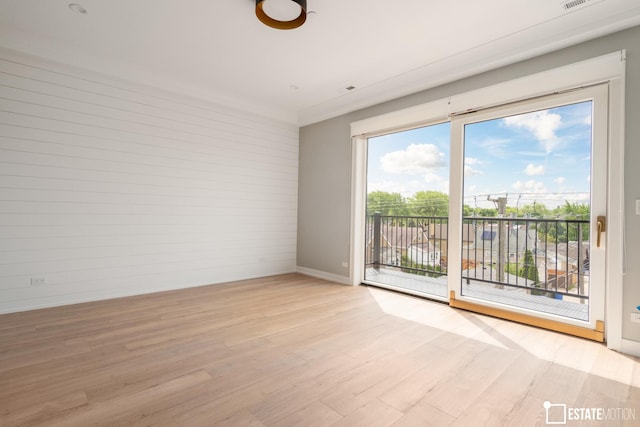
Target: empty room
[{"x": 319, "y": 213}]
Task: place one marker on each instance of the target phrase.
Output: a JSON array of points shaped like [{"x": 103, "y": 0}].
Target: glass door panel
[
  {"x": 407, "y": 210},
  {"x": 529, "y": 209}
]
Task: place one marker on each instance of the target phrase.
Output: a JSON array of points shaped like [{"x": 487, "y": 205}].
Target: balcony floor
[{"x": 438, "y": 287}]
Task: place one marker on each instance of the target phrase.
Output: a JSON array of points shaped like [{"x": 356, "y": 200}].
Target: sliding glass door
[
  {"x": 531, "y": 206},
  {"x": 503, "y": 208}
]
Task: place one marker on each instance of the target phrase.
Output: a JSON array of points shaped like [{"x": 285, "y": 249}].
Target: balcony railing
[{"x": 543, "y": 256}]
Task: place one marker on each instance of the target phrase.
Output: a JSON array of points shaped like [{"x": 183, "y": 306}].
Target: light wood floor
[{"x": 295, "y": 351}]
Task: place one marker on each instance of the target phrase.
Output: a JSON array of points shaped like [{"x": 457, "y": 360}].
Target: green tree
[
  {"x": 429, "y": 204},
  {"x": 573, "y": 210},
  {"x": 534, "y": 210},
  {"x": 561, "y": 231},
  {"x": 529, "y": 269},
  {"x": 468, "y": 211},
  {"x": 388, "y": 204}
]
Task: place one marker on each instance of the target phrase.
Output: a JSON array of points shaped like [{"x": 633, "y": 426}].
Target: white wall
[{"x": 110, "y": 189}]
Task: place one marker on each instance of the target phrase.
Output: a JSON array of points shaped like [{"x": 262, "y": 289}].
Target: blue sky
[{"x": 542, "y": 156}]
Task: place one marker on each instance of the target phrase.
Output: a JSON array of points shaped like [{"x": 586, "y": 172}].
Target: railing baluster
[
  {"x": 376, "y": 240},
  {"x": 566, "y": 263}
]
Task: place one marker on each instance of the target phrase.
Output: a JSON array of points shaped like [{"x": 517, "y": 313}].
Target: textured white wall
[{"x": 110, "y": 189}]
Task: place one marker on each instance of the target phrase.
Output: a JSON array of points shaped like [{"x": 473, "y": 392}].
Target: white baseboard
[
  {"x": 630, "y": 347},
  {"x": 102, "y": 295},
  {"x": 62, "y": 300},
  {"x": 343, "y": 280}
]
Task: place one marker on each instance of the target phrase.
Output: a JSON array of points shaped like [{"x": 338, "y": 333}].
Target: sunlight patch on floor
[
  {"x": 434, "y": 314},
  {"x": 571, "y": 352}
]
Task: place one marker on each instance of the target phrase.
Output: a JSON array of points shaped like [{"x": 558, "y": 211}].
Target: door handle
[{"x": 602, "y": 228}]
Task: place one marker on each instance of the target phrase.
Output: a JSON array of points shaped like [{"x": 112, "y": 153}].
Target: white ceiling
[{"x": 219, "y": 51}]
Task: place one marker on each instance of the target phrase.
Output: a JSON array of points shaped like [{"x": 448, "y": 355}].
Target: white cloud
[
  {"x": 469, "y": 162},
  {"x": 532, "y": 170},
  {"x": 435, "y": 182},
  {"x": 405, "y": 188},
  {"x": 472, "y": 161},
  {"x": 432, "y": 178},
  {"x": 541, "y": 124},
  {"x": 531, "y": 186},
  {"x": 417, "y": 158},
  {"x": 559, "y": 180},
  {"x": 468, "y": 170},
  {"x": 582, "y": 197},
  {"x": 496, "y": 147}
]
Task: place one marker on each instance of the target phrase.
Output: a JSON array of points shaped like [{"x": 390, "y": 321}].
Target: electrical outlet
[
  {"x": 345, "y": 264},
  {"x": 38, "y": 281},
  {"x": 635, "y": 317},
  {"x": 638, "y": 207}
]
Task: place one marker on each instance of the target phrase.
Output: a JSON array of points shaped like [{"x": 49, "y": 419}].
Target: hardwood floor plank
[
  {"x": 317, "y": 414},
  {"x": 41, "y": 410},
  {"x": 425, "y": 415},
  {"x": 213, "y": 409},
  {"x": 242, "y": 418},
  {"x": 292, "y": 350},
  {"x": 130, "y": 407},
  {"x": 373, "y": 414},
  {"x": 371, "y": 380}
]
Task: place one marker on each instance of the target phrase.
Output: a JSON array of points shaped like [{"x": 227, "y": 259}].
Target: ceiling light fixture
[{"x": 282, "y": 14}]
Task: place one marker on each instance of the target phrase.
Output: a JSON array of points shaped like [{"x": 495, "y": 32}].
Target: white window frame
[{"x": 603, "y": 69}]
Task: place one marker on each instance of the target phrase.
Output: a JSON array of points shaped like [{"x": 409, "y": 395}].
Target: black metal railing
[
  {"x": 545, "y": 256},
  {"x": 412, "y": 244}
]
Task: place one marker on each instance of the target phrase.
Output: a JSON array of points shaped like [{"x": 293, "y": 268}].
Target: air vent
[
  {"x": 573, "y": 3},
  {"x": 352, "y": 87}
]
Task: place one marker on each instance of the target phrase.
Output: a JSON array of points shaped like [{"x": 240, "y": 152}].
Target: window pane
[
  {"x": 527, "y": 208},
  {"x": 407, "y": 210}
]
